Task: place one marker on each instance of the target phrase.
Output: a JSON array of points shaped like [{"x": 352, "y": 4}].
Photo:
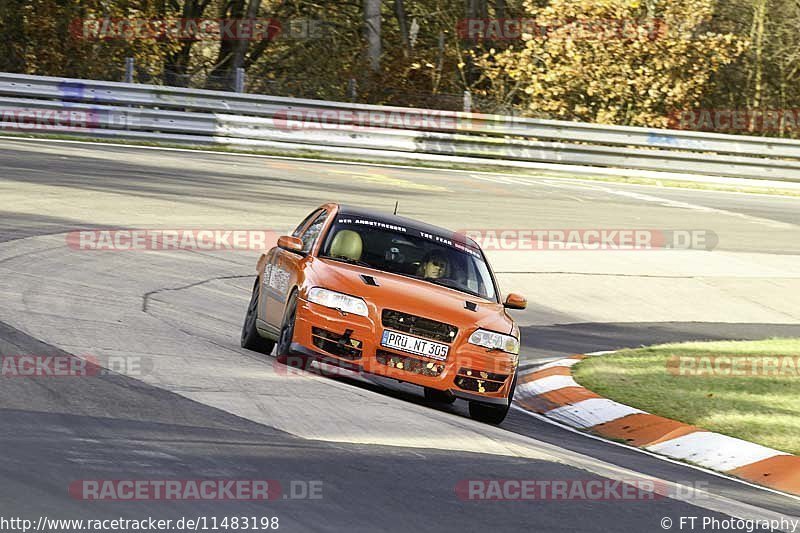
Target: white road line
[
  {"x": 677, "y": 204},
  {"x": 532, "y": 182},
  {"x": 664, "y": 202}
]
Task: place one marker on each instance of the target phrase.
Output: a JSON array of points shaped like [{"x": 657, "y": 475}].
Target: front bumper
[{"x": 353, "y": 342}]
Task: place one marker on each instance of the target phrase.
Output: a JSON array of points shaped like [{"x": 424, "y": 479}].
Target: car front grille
[
  {"x": 479, "y": 381},
  {"x": 336, "y": 344},
  {"x": 419, "y": 326},
  {"x": 409, "y": 364}
]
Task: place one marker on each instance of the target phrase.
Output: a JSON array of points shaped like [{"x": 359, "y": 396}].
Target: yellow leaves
[
  {"x": 607, "y": 116},
  {"x": 580, "y": 109},
  {"x": 593, "y": 77}
]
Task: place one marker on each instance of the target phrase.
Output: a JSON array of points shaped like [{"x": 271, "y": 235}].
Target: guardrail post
[
  {"x": 352, "y": 89},
  {"x": 128, "y": 70},
  {"x": 239, "y": 80},
  {"x": 467, "y": 102}
]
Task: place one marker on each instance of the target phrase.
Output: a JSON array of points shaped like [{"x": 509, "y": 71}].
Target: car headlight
[
  {"x": 495, "y": 341},
  {"x": 337, "y": 300}
]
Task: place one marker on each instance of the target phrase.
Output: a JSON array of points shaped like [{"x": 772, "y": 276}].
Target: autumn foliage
[
  {"x": 609, "y": 61},
  {"x": 631, "y": 62}
]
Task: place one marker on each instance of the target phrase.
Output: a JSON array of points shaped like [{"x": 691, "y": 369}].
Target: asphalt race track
[{"x": 197, "y": 406}]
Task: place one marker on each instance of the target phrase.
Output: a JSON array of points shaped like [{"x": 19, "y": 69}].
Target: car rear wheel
[
  {"x": 438, "y": 396},
  {"x": 284, "y": 350},
  {"x": 250, "y": 338},
  {"x": 492, "y": 414}
]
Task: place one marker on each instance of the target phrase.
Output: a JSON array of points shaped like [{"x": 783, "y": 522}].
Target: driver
[{"x": 434, "y": 265}]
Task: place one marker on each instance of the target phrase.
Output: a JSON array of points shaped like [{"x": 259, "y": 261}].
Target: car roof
[{"x": 388, "y": 218}]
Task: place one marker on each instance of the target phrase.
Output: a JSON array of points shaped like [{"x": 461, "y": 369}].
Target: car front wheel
[
  {"x": 250, "y": 338},
  {"x": 284, "y": 350},
  {"x": 438, "y": 396},
  {"x": 492, "y": 414}
]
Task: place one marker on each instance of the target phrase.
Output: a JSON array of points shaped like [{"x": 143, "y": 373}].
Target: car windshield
[{"x": 440, "y": 259}]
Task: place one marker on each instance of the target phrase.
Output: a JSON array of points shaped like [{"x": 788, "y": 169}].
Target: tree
[
  {"x": 610, "y": 61},
  {"x": 372, "y": 32},
  {"x": 177, "y": 60},
  {"x": 12, "y": 29},
  {"x": 232, "y": 51}
]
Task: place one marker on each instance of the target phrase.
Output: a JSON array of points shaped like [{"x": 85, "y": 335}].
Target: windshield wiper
[{"x": 347, "y": 260}]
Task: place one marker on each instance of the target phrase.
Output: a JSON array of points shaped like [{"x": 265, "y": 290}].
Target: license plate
[{"x": 415, "y": 345}]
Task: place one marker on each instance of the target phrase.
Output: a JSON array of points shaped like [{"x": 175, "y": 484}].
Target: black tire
[
  {"x": 284, "y": 345},
  {"x": 492, "y": 414},
  {"x": 487, "y": 413},
  {"x": 250, "y": 338},
  {"x": 438, "y": 396}
]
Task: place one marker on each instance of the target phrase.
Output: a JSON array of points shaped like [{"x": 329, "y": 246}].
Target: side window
[
  {"x": 299, "y": 229},
  {"x": 312, "y": 232}
]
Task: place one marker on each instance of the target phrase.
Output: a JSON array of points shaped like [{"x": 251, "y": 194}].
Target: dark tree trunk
[
  {"x": 500, "y": 9},
  {"x": 232, "y": 51},
  {"x": 400, "y": 13},
  {"x": 372, "y": 29},
  {"x": 477, "y": 9},
  {"x": 12, "y": 47},
  {"x": 176, "y": 64}
]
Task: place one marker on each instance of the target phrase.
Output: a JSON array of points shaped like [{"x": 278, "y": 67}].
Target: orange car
[{"x": 390, "y": 296}]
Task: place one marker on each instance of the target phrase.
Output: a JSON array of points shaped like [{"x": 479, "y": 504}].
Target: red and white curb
[{"x": 551, "y": 391}]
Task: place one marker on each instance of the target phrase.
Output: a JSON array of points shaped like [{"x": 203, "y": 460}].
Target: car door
[{"x": 284, "y": 267}]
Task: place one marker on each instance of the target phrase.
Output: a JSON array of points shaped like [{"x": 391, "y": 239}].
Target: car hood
[{"x": 409, "y": 295}]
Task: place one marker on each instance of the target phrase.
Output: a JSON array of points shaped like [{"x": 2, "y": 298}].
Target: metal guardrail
[{"x": 179, "y": 115}]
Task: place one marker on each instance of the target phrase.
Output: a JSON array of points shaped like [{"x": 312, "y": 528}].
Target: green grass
[
  {"x": 759, "y": 408},
  {"x": 310, "y": 154}
]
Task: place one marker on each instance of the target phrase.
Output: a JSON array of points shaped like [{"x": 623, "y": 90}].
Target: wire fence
[
  {"x": 742, "y": 121},
  {"x": 296, "y": 87}
]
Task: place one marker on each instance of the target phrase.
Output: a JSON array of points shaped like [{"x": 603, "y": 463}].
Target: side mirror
[
  {"x": 515, "y": 301},
  {"x": 290, "y": 244}
]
